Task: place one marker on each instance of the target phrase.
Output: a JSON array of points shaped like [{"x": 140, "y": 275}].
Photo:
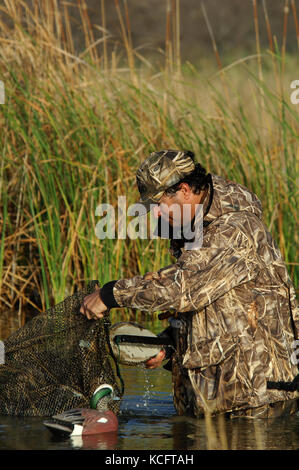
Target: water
[{"x": 148, "y": 421}]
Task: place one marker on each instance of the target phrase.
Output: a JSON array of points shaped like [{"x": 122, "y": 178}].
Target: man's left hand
[
  {"x": 93, "y": 307},
  {"x": 155, "y": 362}
]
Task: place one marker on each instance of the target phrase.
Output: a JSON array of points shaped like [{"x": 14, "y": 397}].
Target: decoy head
[{"x": 104, "y": 398}]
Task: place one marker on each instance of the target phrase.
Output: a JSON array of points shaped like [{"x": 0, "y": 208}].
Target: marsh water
[{"x": 148, "y": 421}]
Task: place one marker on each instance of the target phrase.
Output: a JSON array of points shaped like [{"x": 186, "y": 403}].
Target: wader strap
[
  {"x": 286, "y": 386},
  {"x": 210, "y": 182},
  {"x": 160, "y": 341}
]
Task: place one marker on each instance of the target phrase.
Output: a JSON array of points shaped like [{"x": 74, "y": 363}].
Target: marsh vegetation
[{"x": 75, "y": 127}]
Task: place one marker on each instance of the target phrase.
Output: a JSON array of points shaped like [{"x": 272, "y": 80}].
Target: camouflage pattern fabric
[
  {"x": 234, "y": 306},
  {"x": 56, "y": 362},
  {"x": 160, "y": 171}
]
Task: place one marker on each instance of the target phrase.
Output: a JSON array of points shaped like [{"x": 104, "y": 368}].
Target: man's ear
[{"x": 186, "y": 190}]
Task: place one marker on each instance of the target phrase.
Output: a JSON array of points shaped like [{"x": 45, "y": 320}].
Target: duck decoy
[{"x": 87, "y": 421}]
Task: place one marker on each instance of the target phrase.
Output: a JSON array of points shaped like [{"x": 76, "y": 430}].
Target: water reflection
[
  {"x": 167, "y": 433},
  {"x": 221, "y": 433},
  {"x": 106, "y": 441}
]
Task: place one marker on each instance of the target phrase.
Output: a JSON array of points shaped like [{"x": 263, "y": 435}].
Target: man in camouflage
[{"x": 233, "y": 309}]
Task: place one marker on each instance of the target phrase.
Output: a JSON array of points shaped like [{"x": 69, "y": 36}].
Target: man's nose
[{"x": 157, "y": 211}]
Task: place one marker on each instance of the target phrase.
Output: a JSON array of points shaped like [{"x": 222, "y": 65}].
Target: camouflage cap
[{"x": 160, "y": 171}]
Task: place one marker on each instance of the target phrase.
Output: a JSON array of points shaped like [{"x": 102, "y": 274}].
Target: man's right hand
[
  {"x": 156, "y": 361},
  {"x": 93, "y": 307}
]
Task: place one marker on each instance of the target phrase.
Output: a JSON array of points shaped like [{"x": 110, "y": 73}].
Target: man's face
[{"x": 174, "y": 209}]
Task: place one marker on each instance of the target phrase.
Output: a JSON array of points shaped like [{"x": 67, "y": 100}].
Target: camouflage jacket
[{"x": 236, "y": 313}]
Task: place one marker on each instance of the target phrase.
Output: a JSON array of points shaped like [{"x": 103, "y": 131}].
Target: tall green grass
[{"x": 75, "y": 129}]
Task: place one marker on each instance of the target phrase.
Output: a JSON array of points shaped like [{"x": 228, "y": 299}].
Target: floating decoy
[{"x": 87, "y": 421}]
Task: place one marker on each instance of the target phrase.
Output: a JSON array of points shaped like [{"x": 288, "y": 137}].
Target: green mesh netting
[{"x": 56, "y": 361}]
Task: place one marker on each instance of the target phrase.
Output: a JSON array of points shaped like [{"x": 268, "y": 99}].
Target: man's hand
[
  {"x": 155, "y": 362},
  {"x": 93, "y": 307}
]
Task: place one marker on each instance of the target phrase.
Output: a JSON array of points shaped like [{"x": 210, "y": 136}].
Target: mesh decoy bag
[{"x": 56, "y": 361}]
